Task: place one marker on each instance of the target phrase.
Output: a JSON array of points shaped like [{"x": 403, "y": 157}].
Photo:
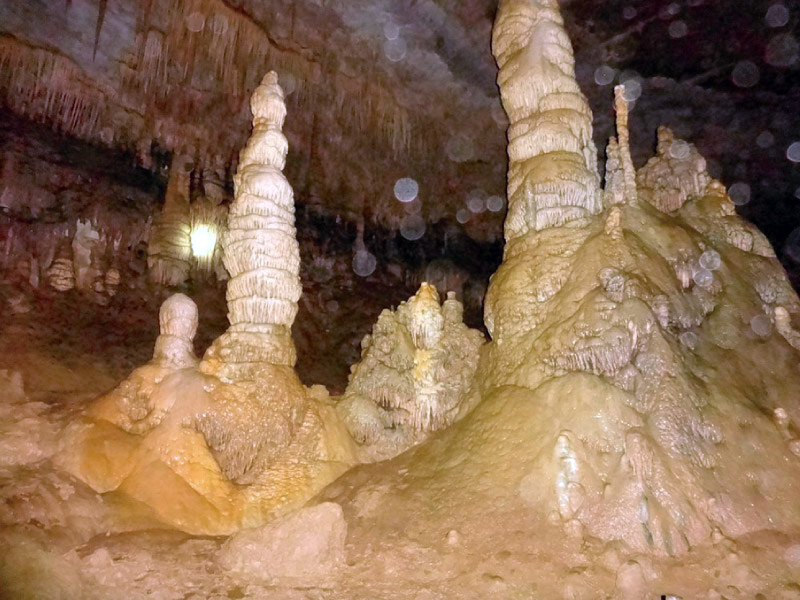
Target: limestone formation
[
  {"x": 111, "y": 281},
  {"x": 415, "y": 374},
  {"x": 235, "y": 440},
  {"x": 607, "y": 432},
  {"x": 260, "y": 248},
  {"x": 86, "y": 250},
  {"x": 169, "y": 247},
  {"x": 676, "y": 173},
  {"x": 552, "y": 176},
  {"x": 614, "y": 312},
  {"x": 61, "y": 275}
]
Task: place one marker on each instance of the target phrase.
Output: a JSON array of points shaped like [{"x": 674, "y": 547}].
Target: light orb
[{"x": 203, "y": 239}]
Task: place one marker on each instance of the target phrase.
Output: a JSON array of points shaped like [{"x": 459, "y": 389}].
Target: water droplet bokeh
[
  {"x": 745, "y": 74},
  {"x": 603, "y": 75},
  {"x": 495, "y": 203},
  {"x": 793, "y": 152},
  {"x": 703, "y": 277},
  {"x": 765, "y": 139},
  {"x": 739, "y": 193},
  {"x": 777, "y": 15},
  {"x": 678, "y": 29},
  {"x": 688, "y": 339},
  {"x": 406, "y": 189},
  {"x": 782, "y": 51},
  {"x": 761, "y": 325},
  {"x": 395, "y": 50},
  {"x": 460, "y": 149},
  {"x": 391, "y": 31},
  {"x": 412, "y": 227},
  {"x": 680, "y": 150},
  {"x": 710, "y": 260},
  {"x": 364, "y": 263},
  {"x": 195, "y": 22}
]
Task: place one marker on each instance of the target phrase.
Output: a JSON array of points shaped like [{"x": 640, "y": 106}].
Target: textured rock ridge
[
  {"x": 637, "y": 399},
  {"x": 618, "y": 311},
  {"x": 414, "y": 377}
]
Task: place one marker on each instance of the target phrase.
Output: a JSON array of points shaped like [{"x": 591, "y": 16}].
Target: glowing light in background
[{"x": 203, "y": 239}]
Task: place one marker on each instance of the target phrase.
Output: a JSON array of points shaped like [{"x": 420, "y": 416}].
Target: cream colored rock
[
  {"x": 626, "y": 399},
  {"x": 620, "y": 172},
  {"x": 61, "y": 275},
  {"x": 307, "y": 544},
  {"x": 552, "y": 176},
  {"x": 783, "y": 324},
  {"x": 236, "y": 440},
  {"x": 260, "y": 250},
  {"x": 676, "y": 173},
  {"x": 86, "y": 250},
  {"x": 111, "y": 281},
  {"x": 414, "y": 376}
]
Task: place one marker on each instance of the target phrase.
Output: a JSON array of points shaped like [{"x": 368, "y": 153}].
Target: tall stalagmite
[
  {"x": 552, "y": 178},
  {"x": 260, "y": 248}
]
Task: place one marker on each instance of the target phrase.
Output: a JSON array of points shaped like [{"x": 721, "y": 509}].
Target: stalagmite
[
  {"x": 634, "y": 404},
  {"x": 210, "y": 447},
  {"x": 676, "y": 173},
  {"x": 620, "y": 172},
  {"x": 552, "y": 178},
  {"x": 260, "y": 248},
  {"x": 61, "y": 275}
]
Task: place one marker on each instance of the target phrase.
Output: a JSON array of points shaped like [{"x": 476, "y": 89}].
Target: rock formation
[
  {"x": 236, "y": 439},
  {"x": 552, "y": 175},
  {"x": 617, "y": 311},
  {"x": 415, "y": 374},
  {"x": 597, "y": 450},
  {"x": 606, "y": 425},
  {"x": 260, "y": 249},
  {"x": 169, "y": 248},
  {"x": 61, "y": 274}
]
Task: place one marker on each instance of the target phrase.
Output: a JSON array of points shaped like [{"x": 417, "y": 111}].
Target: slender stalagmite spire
[
  {"x": 552, "y": 177},
  {"x": 260, "y": 249}
]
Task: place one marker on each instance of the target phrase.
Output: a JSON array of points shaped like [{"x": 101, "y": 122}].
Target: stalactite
[
  {"x": 101, "y": 14},
  {"x": 46, "y": 86},
  {"x": 169, "y": 247}
]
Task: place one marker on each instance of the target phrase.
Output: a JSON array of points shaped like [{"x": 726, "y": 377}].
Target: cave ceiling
[{"x": 379, "y": 90}]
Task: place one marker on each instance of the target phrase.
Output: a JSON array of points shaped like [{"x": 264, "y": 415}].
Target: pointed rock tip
[{"x": 267, "y": 101}]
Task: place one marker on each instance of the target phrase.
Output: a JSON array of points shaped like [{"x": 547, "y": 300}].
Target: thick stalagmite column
[
  {"x": 260, "y": 249},
  {"x": 552, "y": 177}
]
